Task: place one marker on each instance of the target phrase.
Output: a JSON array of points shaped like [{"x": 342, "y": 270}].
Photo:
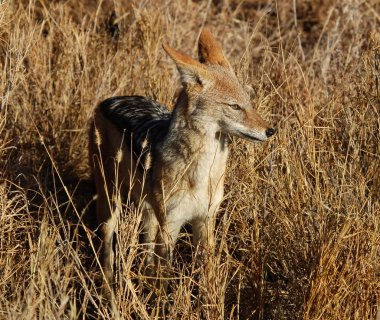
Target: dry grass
[{"x": 298, "y": 235}]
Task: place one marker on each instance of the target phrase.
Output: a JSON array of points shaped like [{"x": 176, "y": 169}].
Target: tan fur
[
  {"x": 210, "y": 51},
  {"x": 187, "y": 175}
]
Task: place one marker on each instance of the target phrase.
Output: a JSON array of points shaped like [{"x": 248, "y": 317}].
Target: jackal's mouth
[{"x": 250, "y": 137}]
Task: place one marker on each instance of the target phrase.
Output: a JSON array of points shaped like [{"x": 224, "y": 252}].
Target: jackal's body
[
  {"x": 174, "y": 163},
  {"x": 175, "y": 167}
]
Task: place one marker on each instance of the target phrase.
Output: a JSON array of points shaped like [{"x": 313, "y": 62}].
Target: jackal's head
[{"x": 215, "y": 95}]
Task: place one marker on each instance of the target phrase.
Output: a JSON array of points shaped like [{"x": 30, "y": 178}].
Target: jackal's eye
[{"x": 235, "y": 106}]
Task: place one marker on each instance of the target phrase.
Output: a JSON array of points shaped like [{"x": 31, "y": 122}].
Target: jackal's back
[{"x": 138, "y": 118}]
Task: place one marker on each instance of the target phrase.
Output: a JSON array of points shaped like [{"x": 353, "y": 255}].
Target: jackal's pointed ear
[
  {"x": 191, "y": 70},
  {"x": 210, "y": 51}
]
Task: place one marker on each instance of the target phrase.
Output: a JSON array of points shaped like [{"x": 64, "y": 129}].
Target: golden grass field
[{"x": 298, "y": 235}]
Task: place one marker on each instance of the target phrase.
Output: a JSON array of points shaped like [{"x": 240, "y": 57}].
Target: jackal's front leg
[
  {"x": 164, "y": 246},
  {"x": 167, "y": 235},
  {"x": 203, "y": 235},
  {"x": 150, "y": 224}
]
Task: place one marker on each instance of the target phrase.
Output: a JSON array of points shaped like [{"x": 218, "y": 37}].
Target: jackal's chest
[
  {"x": 204, "y": 182},
  {"x": 208, "y": 173},
  {"x": 193, "y": 178}
]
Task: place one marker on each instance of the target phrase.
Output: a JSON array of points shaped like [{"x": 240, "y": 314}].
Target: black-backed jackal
[{"x": 174, "y": 162}]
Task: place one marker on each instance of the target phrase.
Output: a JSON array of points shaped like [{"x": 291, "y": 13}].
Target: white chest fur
[{"x": 202, "y": 190}]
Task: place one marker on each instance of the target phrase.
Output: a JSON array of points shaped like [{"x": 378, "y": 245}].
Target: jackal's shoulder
[{"x": 139, "y": 117}]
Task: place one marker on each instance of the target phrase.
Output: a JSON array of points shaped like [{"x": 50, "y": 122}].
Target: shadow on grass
[{"x": 67, "y": 205}]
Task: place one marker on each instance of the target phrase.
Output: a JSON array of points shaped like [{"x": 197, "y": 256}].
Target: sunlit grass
[{"x": 298, "y": 233}]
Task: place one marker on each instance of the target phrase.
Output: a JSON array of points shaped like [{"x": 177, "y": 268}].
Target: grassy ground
[{"x": 298, "y": 233}]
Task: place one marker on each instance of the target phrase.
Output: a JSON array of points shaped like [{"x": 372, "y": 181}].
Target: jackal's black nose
[{"x": 270, "y": 132}]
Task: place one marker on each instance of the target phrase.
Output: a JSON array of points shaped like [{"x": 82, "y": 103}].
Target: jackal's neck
[
  {"x": 186, "y": 116},
  {"x": 193, "y": 134}
]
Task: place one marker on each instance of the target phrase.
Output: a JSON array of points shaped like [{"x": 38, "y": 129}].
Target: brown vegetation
[{"x": 298, "y": 235}]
